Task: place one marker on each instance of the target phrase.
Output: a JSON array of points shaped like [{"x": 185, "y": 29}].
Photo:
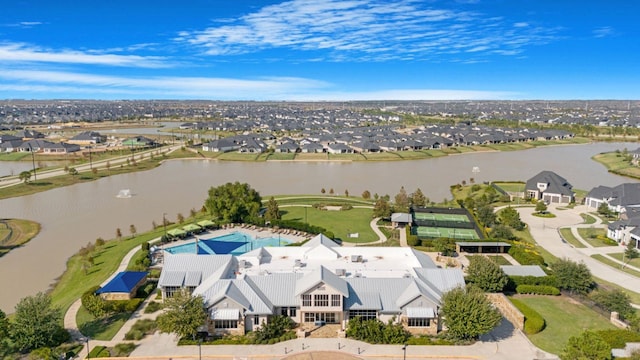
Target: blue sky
[{"x": 320, "y": 49}]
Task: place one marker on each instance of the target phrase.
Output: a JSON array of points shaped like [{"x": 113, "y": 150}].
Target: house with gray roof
[
  {"x": 316, "y": 283},
  {"x": 549, "y": 187},
  {"x": 618, "y": 198}
]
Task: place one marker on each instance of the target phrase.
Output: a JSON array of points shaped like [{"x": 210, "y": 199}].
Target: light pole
[
  {"x": 88, "y": 353},
  {"x": 33, "y": 162},
  {"x": 404, "y": 352},
  {"x": 200, "y": 349}
]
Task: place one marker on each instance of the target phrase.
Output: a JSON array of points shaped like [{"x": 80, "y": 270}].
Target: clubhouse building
[{"x": 314, "y": 284}]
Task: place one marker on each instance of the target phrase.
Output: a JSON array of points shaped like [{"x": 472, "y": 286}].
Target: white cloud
[
  {"x": 604, "y": 31},
  {"x": 18, "y": 52},
  {"x": 77, "y": 85},
  {"x": 24, "y": 24},
  {"x": 354, "y": 29}
]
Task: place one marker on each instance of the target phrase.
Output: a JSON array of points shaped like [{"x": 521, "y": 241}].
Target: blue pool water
[{"x": 236, "y": 243}]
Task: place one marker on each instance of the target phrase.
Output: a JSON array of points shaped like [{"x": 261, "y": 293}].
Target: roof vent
[
  {"x": 341, "y": 272},
  {"x": 358, "y": 275},
  {"x": 356, "y": 258}
]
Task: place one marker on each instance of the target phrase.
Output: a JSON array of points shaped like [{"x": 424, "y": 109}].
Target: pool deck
[{"x": 255, "y": 232}]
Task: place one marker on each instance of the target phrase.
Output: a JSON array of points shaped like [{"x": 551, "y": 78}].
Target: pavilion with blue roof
[{"x": 123, "y": 286}]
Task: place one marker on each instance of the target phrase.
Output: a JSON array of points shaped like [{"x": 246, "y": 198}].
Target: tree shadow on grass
[
  {"x": 96, "y": 328},
  {"x": 40, "y": 183}
]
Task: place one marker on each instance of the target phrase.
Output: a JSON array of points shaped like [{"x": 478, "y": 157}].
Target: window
[
  {"x": 419, "y": 322},
  {"x": 364, "y": 314},
  {"x": 225, "y": 324},
  {"x": 309, "y": 317},
  {"x": 256, "y": 319},
  {"x": 170, "y": 290},
  {"x": 306, "y": 300},
  {"x": 321, "y": 300},
  {"x": 283, "y": 311},
  {"x": 335, "y": 300},
  {"x": 292, "y": 311},
  {"x": 329, "y": 318}
]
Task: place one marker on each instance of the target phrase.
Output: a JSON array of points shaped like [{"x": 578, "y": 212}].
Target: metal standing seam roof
[
  {"x": 441, "y": 279},
  {"x": 192, "y": 278},
  {"x": 176, "y": 267},
  {"x": 320, "y": 239},
  {"x": 124, "y": 282},
  {"x": 421, "y": 312},
  {"x": 278, "y": 288},
  {"x": 322, "y": 275},
  {"x": 523, "y": 270},
  {"x": 225, "y": 314}
]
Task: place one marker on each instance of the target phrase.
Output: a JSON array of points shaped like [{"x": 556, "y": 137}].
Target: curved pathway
[{"x": 545, "y": 232}]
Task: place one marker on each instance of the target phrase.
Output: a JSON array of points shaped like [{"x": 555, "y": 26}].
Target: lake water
[{"x": 75, "y": 215}]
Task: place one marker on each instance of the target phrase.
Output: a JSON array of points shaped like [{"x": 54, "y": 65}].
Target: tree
[
  {"x": 401, "y": 201},
  {"x": 133, "y": 230},
  {"x": 37, "y": 324},
  {"x": 25, "y": 176},
  {"x": 193, "y": 212},
  {"x": 502, "y": 232},
  {"x": 366, "y": 195},
  {"x": 486, "y": 216},
  {"x": 511, "y": 217},
  {"x": 469, "y": 203},
  {"x": 118, "y": 233},
  {"x": 418, "y": 198},
  {"x": 331, "y": 192},
  {"x": 468, "y": 314},
  {"x": 322, "y": 191},
  {"x": 5, "y": 346},
  {"x": 587, "y": 346},
  {"x": 180, "y": 218},
  {"x": 541, "y": 207},
  {"x": 614, "y": 300},
  {"x": 184, "y": 315},
  {"x": 631, "y": 252},
  {"x": 486, "y": 274},
  {"x": 108, "y": 166},
  {"x": 572, "y": 276},
  {"x": 234, "y": 202},
  {"x": 382, "y": 208},
  {"x": 603, "y": 209},
  {"x": 73, "y": 171},
  {"x": 273, "y": 211},
  {"x": 346, "y": 192},
  {"x": 445, "y": 246}
]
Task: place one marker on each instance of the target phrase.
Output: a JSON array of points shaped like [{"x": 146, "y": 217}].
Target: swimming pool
[{"x": 235, "y": 243}]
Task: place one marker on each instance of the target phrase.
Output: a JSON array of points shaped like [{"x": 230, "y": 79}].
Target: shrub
[
  {"x": 123, "y": 349},
  {"x": 94, "y": 304},
  {"x": 133, "y": 335},
  {"x": 376, "y": 332},
  {"x": 537, "y": 290},
  {"x": 145, "y": 246},
  {"x": 120, "y": 306},
  {"x": 548, "y": 280},
  {"x": 412, "y": 240},
  {"x": 525, "y": 256},
  {"x": 153, "y": 307},
  {"x": 618, "y": 338},
  {"x": 533, "y": 321},
  {"x": 346, "y": 207},
  {"x": 614, "y": 300}
]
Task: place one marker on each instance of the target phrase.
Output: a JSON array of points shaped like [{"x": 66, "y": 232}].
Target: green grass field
[
  {"x": 340, "y": 223},
  {"x": 588, "y": 219},
  {"x": 499, "y": 260},
  {"x": 236, "y": 156},
  {"x": 565, "y": 318},
  {"x": 596, "y": 237},
  {"x": 100, "y": 329},
  {"x": 510, "y": 186},
  {"x": 620, "y": 256},
  {"x": 615, "y": 265},
  {"x": 346, "y": 157},
  {"x": 616, "y": 163},
  {"x": 568, "y": 236}
]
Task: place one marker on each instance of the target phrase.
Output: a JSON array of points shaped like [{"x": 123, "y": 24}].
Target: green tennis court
[
  {"x": 439, "y": 232},
  {"x": 441, "y": 217}
]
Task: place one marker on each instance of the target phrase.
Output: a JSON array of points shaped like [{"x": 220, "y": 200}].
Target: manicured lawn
[
  {"x": 100, "y": 329},
  {"x": 568, "y": 236},
  {"x": 615, "y": 265},
  {"x": 281, "y": 156},
  {"x": 510, "y": 186},
  {"x": 74, "y": 282},
  {"x": 588, "y": 219},
  {"x": 236, "y": 156},
  {"x": 596, "y": 237},
  {"x": 321, "y": 199},
  {"x": 339, "y": 222},
  {"x": 499, "y": 260},
  {"x": 616, "y": 163},
  {"x": 633, "y": 296},
  {"x": 382, "y": 156},
  {"x": 312, "y": 156},
  {"x": 13, "y": 156},
  {"x": 620, "y": 256},
  {"x": 564, "y": 318}
]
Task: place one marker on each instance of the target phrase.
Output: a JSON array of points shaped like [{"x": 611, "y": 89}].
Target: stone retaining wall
[{"x": 507, "y": 309}]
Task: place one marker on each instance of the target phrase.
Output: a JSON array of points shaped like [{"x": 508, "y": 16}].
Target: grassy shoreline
[
  {"x": 15, "y": 233},
  {"x": 618, "y": 163}
]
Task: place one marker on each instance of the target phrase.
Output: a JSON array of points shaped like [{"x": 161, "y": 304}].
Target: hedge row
[
  {"x": 538, "y": 290},
  {"x": 302, "y": 226},
  {"x": 525, "y": 257},
  {"x": 549, "y": 280},
  {"x": 533, "y": 321},
  {"x": 617, "y": 339}
]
